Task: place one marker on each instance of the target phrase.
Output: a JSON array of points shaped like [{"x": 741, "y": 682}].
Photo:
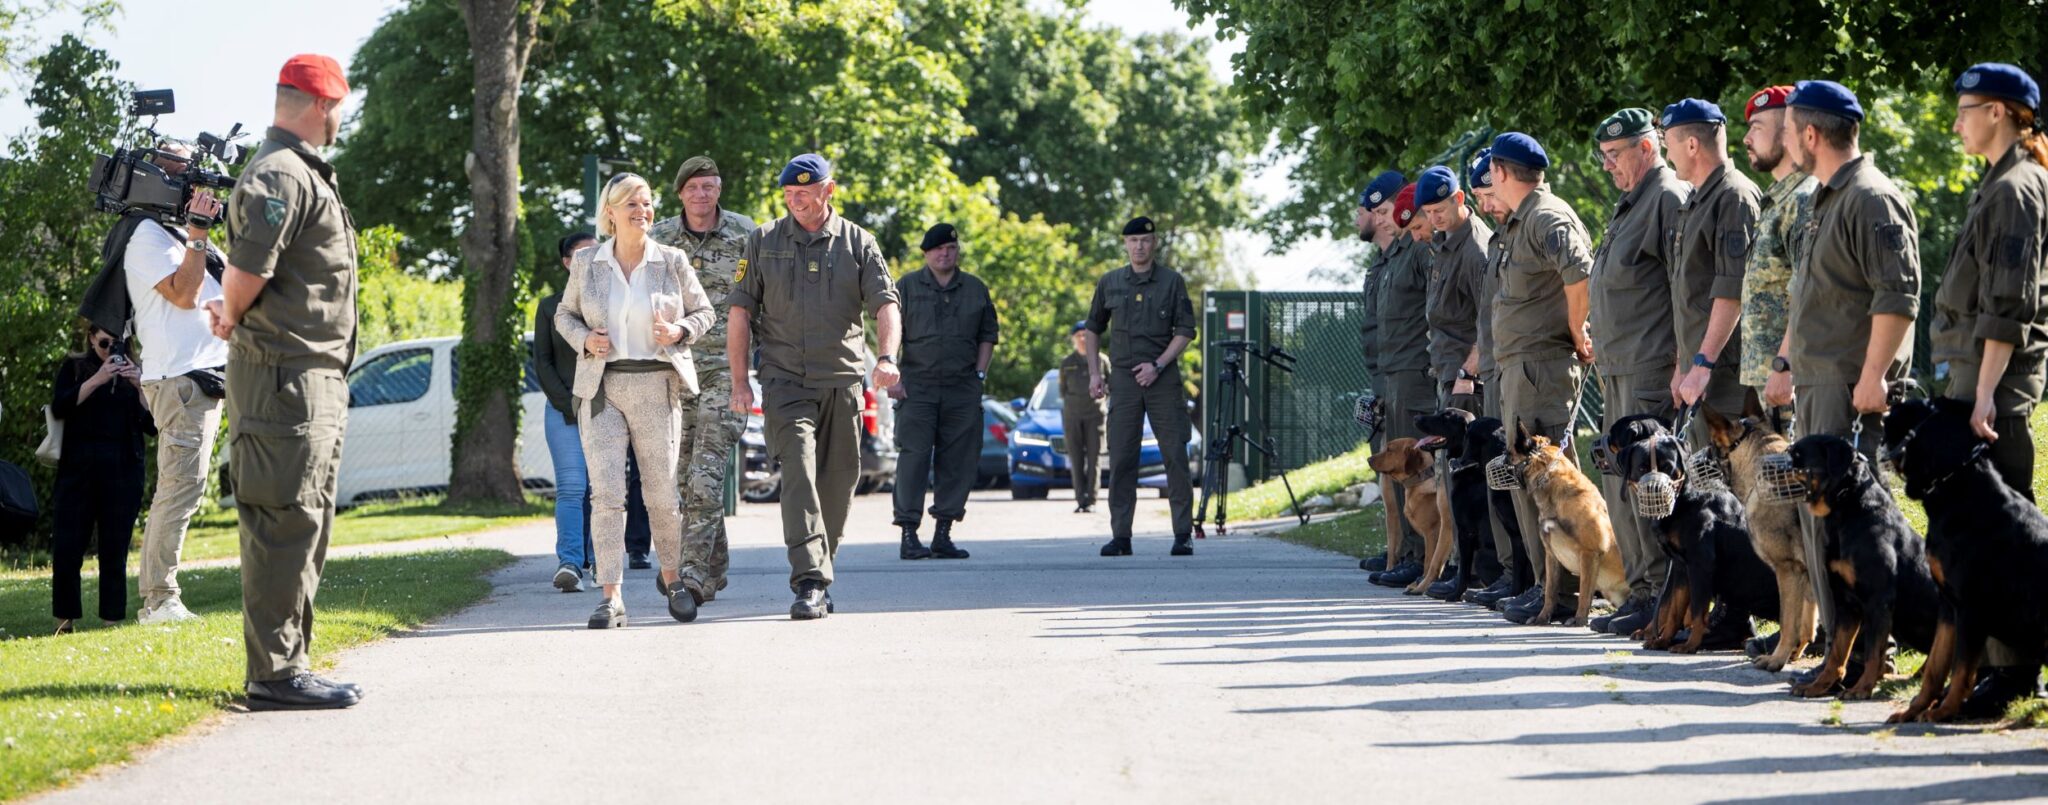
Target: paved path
[{"x": 1036, "y": 671}]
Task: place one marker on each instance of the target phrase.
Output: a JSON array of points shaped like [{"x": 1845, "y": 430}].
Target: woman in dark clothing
[{"x": 99, "y": 476}]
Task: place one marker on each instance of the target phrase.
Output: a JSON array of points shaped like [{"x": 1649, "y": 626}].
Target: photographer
[
  {"x": 98, "y": 397},
  {"x": 168, "y": 279}
]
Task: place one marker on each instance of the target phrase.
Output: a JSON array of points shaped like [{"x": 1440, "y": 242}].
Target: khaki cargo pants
[
  {"x": 285, "y": 429},
  {"x": 815, "y": 433},
  {"x": 186, "y": 421},
  {"x": 1624, "y": 396},
  {"x": 1543, "y": 395}
]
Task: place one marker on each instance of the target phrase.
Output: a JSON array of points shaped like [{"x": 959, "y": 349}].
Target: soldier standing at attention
[
  {"x": 713, "y": 237},
  {"x": 1716, "y": 227},
  {"x": 1081, "y": 416},
  {"x": 1374, "y": 221},
  {"x": 1460, "y": 245},
  {"x": 1154, "y": 322},
  {"x": 1539, "y": 325},
  {"x": 288, "y": 313},
  {"x": 803, "y": 283},
  {"x": 1631, "y": 314},
  {"x": 1404, "y": 358},
  {"x": 1517, "y": 573},
  {"x": 949, "y": 326},
  {"x": 1781, "y": 224}
]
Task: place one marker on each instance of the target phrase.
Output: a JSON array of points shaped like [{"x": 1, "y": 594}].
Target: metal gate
[{"x": 1307, "y": 413}]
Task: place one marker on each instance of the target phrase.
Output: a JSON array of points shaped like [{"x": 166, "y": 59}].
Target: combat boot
[
  {"x": 942, "y": 543},
  {"x": 912, "y": 548},
  {"x": 1117, "y": 546},
  {"x": 1183, "y": 545},
  {"x": 811, "y": 601}
]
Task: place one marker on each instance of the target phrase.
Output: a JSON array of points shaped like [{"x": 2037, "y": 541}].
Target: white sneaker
[{"x": 172, "y": 611}]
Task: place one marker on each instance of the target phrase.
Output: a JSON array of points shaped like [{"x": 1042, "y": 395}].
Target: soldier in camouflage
[
  {"x": 1788, "y": 204},
  {"x": 713, "y": 238}
]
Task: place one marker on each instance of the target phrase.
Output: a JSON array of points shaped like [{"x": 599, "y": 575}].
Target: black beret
[
  {"x": 1140, "y": 225},
  {"x": 939, "y": 235}
]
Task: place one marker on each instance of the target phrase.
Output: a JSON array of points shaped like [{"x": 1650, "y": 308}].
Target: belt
[{"x": 629, "y": 367}]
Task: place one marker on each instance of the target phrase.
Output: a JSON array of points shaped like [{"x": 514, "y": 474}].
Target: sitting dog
[
  {"x": 1707, "y": 538},
  {"x": 1627, "y": 432},
  {"x": 1773, "y": 526},
  {"x": 1576, "y": 532},
  {"x": 1486, "y": 440},
  {"x": 1449, "y": 429},
  {"x": 1878, "y": 575},
  {"x": 1987, "y": 548},
  {"x": 1414, "y": 468}
]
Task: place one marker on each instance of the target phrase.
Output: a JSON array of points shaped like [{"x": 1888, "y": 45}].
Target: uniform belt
[{"x": 629, "y": 367}]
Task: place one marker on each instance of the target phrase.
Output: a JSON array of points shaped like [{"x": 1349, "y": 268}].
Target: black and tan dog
[
  {"x": 1415, "y": 469},
  {"x": 1448, "y": 429},
  {"x": 1706, "y": 536},
  {"x": 1774, "y": 528},
  {"x": 1576, "y": 532},
  {"x": 1486, "y": 440},
  {"x": 1987, "y": 548},
  {"x": 1878, "y": 574}
]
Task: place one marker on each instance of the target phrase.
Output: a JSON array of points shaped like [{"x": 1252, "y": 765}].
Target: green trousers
[
  {"x": 938, "y": 439},
  {"x": 1624, "y": 396},
  {"x": 815, "y": 433},
  {"x": 1130, "y": 405}
]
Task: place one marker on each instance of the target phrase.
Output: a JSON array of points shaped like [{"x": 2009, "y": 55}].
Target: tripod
[{"x": 1230, "y": 417}]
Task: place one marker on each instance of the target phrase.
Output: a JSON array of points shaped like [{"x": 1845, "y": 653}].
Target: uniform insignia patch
[
  {"x": 1555, "y": 241},
  {"x": 1734, "y": 243},
  {"x": 2011, "y": 252},
  {"x": 803, "y": 178},
  {"x": 814, "y": 266},
  {"x": 741, "y": 273},
  {"x": 273, "y": 211},
  {"x": 1970, "y": 79},
  {"x": 1141, "y": 297},
  {"x": 1894, "y": 236}
]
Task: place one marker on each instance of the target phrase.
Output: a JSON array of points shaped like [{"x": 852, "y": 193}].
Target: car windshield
[{"x": 1047, "y": 396}]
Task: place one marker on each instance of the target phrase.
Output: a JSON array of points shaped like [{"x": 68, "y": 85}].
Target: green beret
[
  {"x": 1626, "y": 124},
  {"x": 694, "y": 167}
]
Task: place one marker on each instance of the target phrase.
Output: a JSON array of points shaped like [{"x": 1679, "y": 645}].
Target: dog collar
[{"x": 1975, "y": 453}]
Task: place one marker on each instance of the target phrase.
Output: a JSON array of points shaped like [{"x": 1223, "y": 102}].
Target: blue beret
[
  {"x": 1382, "y": 189},
  {"x": 807, "y": 169},
  {"x": 2000, "y": 81},
  {"x": 1520, "y": 149},
  {"x": 1826, "y": 96},
  {"x": 1434, "y": 185},
  {"x": 1692, "y": 110},
  {"x": 1079, "y": 326},
  {"x": 1481, "y": 174}
]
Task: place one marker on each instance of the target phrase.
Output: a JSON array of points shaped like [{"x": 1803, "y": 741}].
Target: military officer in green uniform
[
  {"x": 1632, "y": 328},
  {"x": 1374, "y": 221},
  {"x": 949, "y": 327},
  {"x": 803, "y": 284},
  {"x": 1145, "y": 309},
  {"x": 1767, "y": 273},
  {"x": 1715, "y": 230},
  {"x": 713, "y": 237},
  {"x": 1081, "y": 418},
  {"x": 289, "y": 317},
  {"x": 1459, "y": 245},
  {"x": 1403, "y": 298},
  {"x": 1539, "y": 325},
  {"x": 1517, "y": 574}
]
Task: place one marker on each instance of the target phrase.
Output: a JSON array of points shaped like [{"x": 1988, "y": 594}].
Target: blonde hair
[{"x": 615, "y": 193}]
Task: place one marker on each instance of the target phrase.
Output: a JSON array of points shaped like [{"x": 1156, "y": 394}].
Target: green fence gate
[{"x": 1306, "y": 413}]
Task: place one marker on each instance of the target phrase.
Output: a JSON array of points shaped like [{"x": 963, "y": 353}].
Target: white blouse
[{"x": 631, "y": 308}]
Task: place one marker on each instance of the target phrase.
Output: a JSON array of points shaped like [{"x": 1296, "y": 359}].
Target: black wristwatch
[
  {"x": 885, "y": 359},
  {"x": 1699, "y": 359},
  {"x": 1158, "y": 367},
  {"x": 1779, "y": 364},
  {"x": 980, "y": 375}
]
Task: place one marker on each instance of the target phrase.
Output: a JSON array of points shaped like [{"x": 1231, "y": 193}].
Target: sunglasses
[{"x": 103, "y": 343}]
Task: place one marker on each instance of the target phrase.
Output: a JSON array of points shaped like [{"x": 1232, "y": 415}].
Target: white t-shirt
[{"x": 174, "y": 341}]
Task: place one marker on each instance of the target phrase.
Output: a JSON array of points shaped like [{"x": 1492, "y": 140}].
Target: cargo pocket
[{"x": 272, "y": 463}]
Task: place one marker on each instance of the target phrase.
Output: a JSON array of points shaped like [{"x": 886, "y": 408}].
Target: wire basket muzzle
[
  {"x": 1777, "y": 481},
  {"x": 1655, "y": 495},
  {"x": 1703, "y": 471},
  {"x": 1367, "y": 411},
  {"x": 1501, "y": 476}
]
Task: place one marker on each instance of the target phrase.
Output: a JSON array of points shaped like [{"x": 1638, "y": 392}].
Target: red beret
[
  {"x": 1766, "y": 98},
  {"x": 1404, "y": 206},
  {"x": 315, "y": 75}
]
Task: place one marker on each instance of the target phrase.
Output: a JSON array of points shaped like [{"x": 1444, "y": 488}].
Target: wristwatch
[
  {"x": 1699, "y": 359},
  {"x": 885, "y": 359},
  {"x": 1158, "y": 367},
  {"x": 980, "y": 375},
  {"x": 1779, "y": 364}
]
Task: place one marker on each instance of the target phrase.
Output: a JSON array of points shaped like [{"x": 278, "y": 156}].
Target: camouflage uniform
[
  {"x": 710, "y": 426},
  {"x": 1788, "y": 205}
]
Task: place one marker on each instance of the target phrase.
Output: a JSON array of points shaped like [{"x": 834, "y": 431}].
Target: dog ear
[
  {"x": 1414, "y": 462},
  {"x": 1718, "y": 426},
  {"x": 1753, "y": 406}
]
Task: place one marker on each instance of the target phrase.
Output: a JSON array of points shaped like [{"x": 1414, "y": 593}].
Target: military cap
[
  {"x": 1766, "y": 98},
  {"x": 316, "y": 75},
  {"x": 1079, "y": 326},
  {"x": 1520, "y": 149},
  {"x": 1140, "y": 225},
  {"x": 694, "y": 167},
  {"x": 1481, "y": 174},
  {"x": 1434, "y": 185},
  {"x": 1622, "y": 125},
  {"x": 1382, "y": 189},
  {"x": 1404, "y": 206},
  {"x": 939, "y": 235},
  {"x": 1692, "y": 110},
  {"x": 807, "y": 169},
  {"x": 1826, "y": 96},
  {"x": 1996, "y": 80},
  {"x": 571, "y": 243}
]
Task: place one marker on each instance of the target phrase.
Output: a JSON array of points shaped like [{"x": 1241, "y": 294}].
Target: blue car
[{"x": 1038, "y": 448}]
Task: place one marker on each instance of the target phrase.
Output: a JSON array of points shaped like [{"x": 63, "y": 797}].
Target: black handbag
[{"x": 211, "y": 383}]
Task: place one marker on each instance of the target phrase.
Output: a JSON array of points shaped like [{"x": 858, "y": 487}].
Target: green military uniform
[
  {"x": 287, "y": 393},
  {"x": 1489, "y": 376},
  {"x": 1081, "y": 417},
  {"x": 1993, "y": 288},
  {"x": 805, "y": 293},
  {"x": 1542, "y": 249},
  {"x": 1716, "y": 227},
  {"x": 1767, "y": 273},
  {"x": 1404, "y": 356},
  {"x": 1148, "y": 309},
  {"x": 938, "y": 422},
  {"x": 1455, "y": 277},
  {"x": 1633, "y": 343},
  {"x": 710, "y": 426}
]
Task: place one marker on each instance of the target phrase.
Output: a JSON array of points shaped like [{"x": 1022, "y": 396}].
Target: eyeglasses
[
  {"x": 1964, "y": 107},
  {"x": 103, "y": 343}
]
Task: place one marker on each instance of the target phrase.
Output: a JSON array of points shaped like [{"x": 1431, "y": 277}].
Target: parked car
[
  {"x": 1038, "y": 448},
  {"x": 761, "y": 477},
  {"x": 401, "y": 423},
  {"x": 999, "y": 421}
]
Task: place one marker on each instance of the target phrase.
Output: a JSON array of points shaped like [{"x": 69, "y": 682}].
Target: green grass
[
  {"x": 1268, "y": 498},
  {"x": 1361, "y": 533},
  {"x": 70, "y": 703}
]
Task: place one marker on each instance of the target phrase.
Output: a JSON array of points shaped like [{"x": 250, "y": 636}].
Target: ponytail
[{"x": 2032, "y": 138}]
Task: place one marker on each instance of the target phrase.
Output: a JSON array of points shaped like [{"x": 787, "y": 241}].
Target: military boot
[
  {"x": 1117, "y": 546},
  {"x": 912, "y": 548},
  {"x": 942, "y": 543},
  {"x": 1183, "y": 545}
]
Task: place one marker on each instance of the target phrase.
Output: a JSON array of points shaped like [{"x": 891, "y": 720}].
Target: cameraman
[{"x": 168, "y": 282}]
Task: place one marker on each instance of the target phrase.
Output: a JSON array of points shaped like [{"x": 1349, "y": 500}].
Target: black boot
[
  {"x": 942, "y": 543},
  {"x": 1402, "y": 575},
  {"x": 811, "y": 601},
  {"x": 301, "y": 692},
  {"x": 1117, "y": 546},
  {"x": 1451, "y": 589},
  {"x": 1502, "y": 587},
  {"x": 1183, "y": 545},
  {"x": 1632, "y": 615},
  {"x": 912, "y": 548},
  {"x": 1997, "y": 688},
  {"x": 1373, "y": 564}
]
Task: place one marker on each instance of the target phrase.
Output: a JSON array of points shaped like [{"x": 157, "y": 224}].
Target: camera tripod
[{"x": 1218, "y": 453}]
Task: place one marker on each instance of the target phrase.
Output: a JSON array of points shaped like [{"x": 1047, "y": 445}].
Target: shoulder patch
[
  {"x": 1554, "y": 242},
  {"x": 273, "y": 211},
  {"x": 741, "y": 272},
  {"x": 2010, "y": 252},
  {"x": 1734, "y": 243},
  {"x": 1893, "y": 235}
]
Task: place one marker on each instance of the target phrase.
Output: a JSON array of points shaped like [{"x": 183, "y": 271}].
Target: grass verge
[
  {"x": 68, "y": 704},
  {"x": 1361, "y": 533},
  {"x": 1268, "y": 498}
]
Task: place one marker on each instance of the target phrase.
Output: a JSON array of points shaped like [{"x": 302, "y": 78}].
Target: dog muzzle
[
  {"x": 1603, "y": 458},
  {"x": 1703, "y": 471},
  {"x": 1777, "y": 481},
  {"x": 1655, "y": 496},
  {"x": 1501, "y": 476},
  {"x": 1368, "y": 411}
]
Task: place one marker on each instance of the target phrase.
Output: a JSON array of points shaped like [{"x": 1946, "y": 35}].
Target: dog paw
[
  {"x": 1412, "y": 589},
  {"x": 1809, "y": 691},
  {"x": 1772, "y": 664},
  {"x": 1685, "y": 648},
  {"x": 1858, "y": 693},
  {"x": 1899, "y": 717},
  {"x": 1579, "y": 623}
]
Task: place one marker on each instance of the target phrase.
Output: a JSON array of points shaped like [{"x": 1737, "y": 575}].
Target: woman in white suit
[{"x": 631, "y": 309}]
